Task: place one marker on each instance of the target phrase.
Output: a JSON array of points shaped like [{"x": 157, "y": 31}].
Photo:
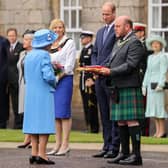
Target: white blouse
[{"x": 66, "y": 56}]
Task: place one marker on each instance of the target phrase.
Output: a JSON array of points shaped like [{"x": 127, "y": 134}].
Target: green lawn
[{"x": 10, "y": 135}]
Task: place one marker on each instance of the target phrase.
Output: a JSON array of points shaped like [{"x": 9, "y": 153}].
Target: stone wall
[
  {"x": 35, "y": 14},
  {"x": 91, "y": 12},
  {"x": 24, "y": 14}
]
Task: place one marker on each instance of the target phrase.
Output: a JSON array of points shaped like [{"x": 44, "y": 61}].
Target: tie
[
  {"x": 11, "y": 48},
  {"x": 105, "y": 33}
]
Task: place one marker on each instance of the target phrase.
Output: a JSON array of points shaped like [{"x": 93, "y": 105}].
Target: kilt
[{"x": 130, "y": 106}]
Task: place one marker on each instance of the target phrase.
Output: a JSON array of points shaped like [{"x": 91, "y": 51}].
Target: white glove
[
  {"x": 158, "y": 89},
  {"x": 143, "y": 91}
]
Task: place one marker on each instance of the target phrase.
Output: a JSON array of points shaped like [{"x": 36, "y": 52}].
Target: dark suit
[
  {"x": 100, "y": 56},
  {"x": 13, "y": 82},
  {"x": 4, "y": 103},
  {"x": 88, "y": 93}
]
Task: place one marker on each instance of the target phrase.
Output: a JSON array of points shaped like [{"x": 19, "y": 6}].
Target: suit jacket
[
  {"x": 124, "y": 62},
  {"x": 4, "y": 54},
  {"x": 101, "y": 52},
  {"x": 12, "y": 65}
]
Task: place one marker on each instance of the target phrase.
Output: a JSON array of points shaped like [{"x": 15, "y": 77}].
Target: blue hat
[
  {"x": 155, "y": 38},
  {"x": 43, "y": 38}
]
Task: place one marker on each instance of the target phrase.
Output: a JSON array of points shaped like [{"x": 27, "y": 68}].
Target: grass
[{"x": 10, "y": 135}]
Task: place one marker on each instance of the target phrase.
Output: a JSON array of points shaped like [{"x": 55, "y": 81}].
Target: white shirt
[{"x": 66, "y": 56}]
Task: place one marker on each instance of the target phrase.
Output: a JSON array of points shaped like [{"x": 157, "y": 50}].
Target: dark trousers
[
  {"x": 90, "y": 108},
  {"x": 110, "y": 128},
  {"x": 4, "y": 105},
  {"x": 18, "y": 118}
]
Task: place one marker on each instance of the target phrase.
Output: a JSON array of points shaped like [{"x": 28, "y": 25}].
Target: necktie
[
  {"x": 105, "y": 33},
  {"x": 11, "y": 48}
]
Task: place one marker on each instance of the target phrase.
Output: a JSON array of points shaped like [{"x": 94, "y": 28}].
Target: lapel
[
  {"x": 119, "y": 44},
  {"x": 101, "y": 37},
  {"x": 111, "y": 31}
]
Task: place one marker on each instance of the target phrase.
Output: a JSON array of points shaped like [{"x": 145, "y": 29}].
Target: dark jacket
[
  {"x": 12, "y": 64},
  {"x": 4, "y": 109},
  {"x": 4, "y": 54},
  {"x": 124, "y": 62},
  {"x": 102, "y": 51},
  {"x": 85, "y": 59}
]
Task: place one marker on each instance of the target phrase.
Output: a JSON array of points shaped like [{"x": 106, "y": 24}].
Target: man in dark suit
[
  {"x": 15, "y": 49},
  {"x": 4, "y": 103},
  {"x": 105, "y": 39},
  {"x": 87, "y": 86},
  {"x": 125, "y": 86}
]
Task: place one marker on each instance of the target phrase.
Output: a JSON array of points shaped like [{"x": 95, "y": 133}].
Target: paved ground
[{"x": 80, "y": 156}]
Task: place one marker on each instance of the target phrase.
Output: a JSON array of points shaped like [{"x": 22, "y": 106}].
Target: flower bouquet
[{"x": 58, "y": 68}]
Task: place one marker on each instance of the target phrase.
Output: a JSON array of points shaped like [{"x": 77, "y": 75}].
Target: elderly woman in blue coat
[
  {"x": 153, "y": 84},
  {"x": 40, "y": 81}
]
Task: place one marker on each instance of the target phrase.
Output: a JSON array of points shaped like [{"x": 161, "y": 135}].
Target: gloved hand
[
  {"x": 143, "y": 91},
  {"x": 158, "y": 89}
]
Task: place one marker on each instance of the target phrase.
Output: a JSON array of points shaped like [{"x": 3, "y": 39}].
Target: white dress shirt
[{"x": 66, "y": 56}]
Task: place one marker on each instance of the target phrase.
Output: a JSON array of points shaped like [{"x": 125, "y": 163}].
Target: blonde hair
[{"x": 55, "y": 22}]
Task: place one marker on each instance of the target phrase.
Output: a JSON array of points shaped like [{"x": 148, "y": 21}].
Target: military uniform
[{"x": 88, "y": 93}]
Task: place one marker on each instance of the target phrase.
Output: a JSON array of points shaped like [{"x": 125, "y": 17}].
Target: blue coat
[{"x": 39, "y": 99}]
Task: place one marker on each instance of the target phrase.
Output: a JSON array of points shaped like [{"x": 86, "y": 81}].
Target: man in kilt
[{"x": 127, "y": 100}]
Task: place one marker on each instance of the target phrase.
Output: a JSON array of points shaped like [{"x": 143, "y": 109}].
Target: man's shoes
[
  {"x": 131, "y": 160},
  {"x": 100, "y": 154},
  {"x": 110, "y": 154},
  {"x": 116, "y": 160}
]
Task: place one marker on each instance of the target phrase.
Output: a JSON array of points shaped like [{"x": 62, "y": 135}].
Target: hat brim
[
  {"x": 150, "y": 40},
  {"x": 41, "y": 45}
]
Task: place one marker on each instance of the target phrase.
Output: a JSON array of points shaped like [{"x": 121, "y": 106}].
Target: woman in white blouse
[{"x": 63, "y": 53}]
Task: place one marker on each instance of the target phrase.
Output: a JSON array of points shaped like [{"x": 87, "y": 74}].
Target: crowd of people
[{"x": 128, "y": 89}]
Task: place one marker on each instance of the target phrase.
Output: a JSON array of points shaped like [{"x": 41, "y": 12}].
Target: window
[
  {"x": 157, "y": 18},
  {"x": 71, "y": 15}
]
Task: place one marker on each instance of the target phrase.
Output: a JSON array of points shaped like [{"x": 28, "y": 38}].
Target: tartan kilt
[{"x": 130, "y": 106}]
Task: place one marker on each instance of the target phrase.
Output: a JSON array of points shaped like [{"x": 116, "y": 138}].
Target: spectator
[
  {"x": 153, "y": 84},
  {"x": 13, "y": 77},
  {"x": 27, "y": 40},
  {"x": 4, "y": 102}
]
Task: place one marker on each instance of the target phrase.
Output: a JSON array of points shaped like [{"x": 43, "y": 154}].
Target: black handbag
[{"x": 154, "y": 85}]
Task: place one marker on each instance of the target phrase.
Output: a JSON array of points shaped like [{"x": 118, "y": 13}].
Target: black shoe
[
  {"x": 131, "y": 160},
  {"x": 40, "y": 160},
  {"x": 116, "y": 160},
  {"x": 100, "y": 154},
  {"x": 33, "y": 159},
  {"x": 110, "y": 154},
  {"x": 163, "y": 136},
  {"x": 24, "y": 145}
]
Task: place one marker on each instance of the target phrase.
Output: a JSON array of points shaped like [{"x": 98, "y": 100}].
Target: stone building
[{"x": 78, "y": 15}]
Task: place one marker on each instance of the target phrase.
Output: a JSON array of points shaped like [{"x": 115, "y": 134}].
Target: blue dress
[
  {"x": 156, "y": 72},
  {"x": 39, "y": 87},
  {"x": 63, "y": 97}
]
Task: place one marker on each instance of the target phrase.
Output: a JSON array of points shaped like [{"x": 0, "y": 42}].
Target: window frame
[
  {"x": 152, "y": 30},
  {"x": 69, "y": 30}
]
